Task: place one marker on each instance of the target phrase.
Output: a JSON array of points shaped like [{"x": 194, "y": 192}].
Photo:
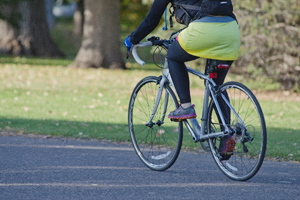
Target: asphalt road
[{"x": 57, "y": 168}]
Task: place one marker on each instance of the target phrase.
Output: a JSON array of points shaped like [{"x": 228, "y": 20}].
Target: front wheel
[
  {"x": 156, "y": 142},
  {"x": 246, "y": 120}
]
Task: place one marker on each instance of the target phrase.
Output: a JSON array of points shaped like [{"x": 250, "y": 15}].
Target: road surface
[{"x": 60, "y": 168}]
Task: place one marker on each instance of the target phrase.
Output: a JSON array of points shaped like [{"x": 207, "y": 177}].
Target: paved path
[{"x": 39, "y": 168}]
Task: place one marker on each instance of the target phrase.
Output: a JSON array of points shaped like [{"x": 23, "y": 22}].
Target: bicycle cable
[{"x": 158, "y": 48}]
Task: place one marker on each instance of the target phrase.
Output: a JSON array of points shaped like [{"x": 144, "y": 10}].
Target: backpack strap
[
  {"x": 186, "y": 6},
  {"x": 182, "y": 9}
]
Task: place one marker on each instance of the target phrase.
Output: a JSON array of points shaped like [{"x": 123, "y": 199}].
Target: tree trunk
[
  {"x": 9, "y": 43},
  {"x": 79, "y": 18},
  {"x": 100, "y": 46},
  {"x": 32, "y": 38}
]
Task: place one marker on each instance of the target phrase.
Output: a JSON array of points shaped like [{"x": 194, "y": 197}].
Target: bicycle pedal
[{"x": 226, "y": 153}]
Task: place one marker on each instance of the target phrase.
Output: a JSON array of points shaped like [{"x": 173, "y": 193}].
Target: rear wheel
[
  {"x": 251, "y": 138},
  {"x": 158, "y": 142}
]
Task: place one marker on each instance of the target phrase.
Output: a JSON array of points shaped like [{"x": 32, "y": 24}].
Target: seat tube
[
  {"x": 205, "y": 108},
  {"x": 218, "y": 108}
]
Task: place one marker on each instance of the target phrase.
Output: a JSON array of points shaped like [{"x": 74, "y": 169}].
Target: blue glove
[{"x": 127, "y": 43}]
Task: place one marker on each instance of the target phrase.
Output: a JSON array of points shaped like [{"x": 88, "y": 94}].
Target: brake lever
[{"x": 128, "y": 52}]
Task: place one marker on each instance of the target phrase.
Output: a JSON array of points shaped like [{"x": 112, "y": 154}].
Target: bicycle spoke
[{"x": 155, "y": 142}]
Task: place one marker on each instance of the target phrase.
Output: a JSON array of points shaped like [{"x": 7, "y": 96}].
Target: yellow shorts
[{"x": 212, "y": 37}]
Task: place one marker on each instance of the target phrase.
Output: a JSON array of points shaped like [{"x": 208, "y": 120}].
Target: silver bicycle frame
[
  {"x": 197, "y": 132},
  {"x": 200, "y": 136}
]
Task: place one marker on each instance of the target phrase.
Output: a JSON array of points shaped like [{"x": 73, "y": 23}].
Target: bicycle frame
[{"x": 197, "y": 132}]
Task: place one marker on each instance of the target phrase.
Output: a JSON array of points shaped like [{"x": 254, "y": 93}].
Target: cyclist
[{"x": 211, "y": 36}]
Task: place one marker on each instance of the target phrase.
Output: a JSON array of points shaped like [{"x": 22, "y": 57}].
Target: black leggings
[{"x": 176, "y": 57}]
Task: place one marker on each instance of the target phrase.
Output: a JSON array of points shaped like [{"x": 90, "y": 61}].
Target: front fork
[{"x": 164, "y": 79}]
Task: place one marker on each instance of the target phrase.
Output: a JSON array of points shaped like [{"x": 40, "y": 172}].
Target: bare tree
[
  {"x": 31, "y": 36},
  {"x": 101, "y": 36}
]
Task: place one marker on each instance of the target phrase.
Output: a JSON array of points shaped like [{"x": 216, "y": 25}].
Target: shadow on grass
[
  {"x": 77, "y": 129},
  {"x": 282, "y": 144}
]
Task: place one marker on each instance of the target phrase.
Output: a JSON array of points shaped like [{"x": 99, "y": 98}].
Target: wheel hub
[{"x": 151, "y": 124}]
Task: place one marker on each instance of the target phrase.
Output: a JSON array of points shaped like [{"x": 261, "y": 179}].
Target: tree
[
  {"x": 100, "y": 45},
  {"x": 79, "y": 18},
  {"x": 28, "y": 33}
]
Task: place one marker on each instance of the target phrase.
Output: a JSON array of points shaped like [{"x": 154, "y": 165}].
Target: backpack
[{"x": 186, "y": 11}]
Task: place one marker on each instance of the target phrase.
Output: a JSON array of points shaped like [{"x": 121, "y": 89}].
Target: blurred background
[{"x": 270, "y": 33}]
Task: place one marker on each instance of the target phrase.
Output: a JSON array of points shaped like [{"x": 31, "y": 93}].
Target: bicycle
[{"x": 157, "y": 140}]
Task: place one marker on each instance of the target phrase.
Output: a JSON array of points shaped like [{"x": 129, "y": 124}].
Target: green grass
[
  {"x": 61, "y": 101},
  {"x": 283, "y": 125},
  {"x": 51, "y": 99},
  {"x": 34, "y": 61}
]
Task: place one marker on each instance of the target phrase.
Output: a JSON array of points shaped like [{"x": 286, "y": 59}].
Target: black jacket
[
  {"x": 150, "y": 22},
  {"x": 152, "y": 19}
]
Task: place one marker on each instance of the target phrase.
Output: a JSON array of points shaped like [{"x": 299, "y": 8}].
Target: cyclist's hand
[{"x": 128, "y": 45}]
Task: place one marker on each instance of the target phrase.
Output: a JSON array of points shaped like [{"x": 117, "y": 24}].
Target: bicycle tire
[
  {"x": 157, "y": 146},
  {"x": 251, "y": 142}
]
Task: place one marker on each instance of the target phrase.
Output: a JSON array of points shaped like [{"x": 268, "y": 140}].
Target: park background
[{"x": 66, "y": 74}]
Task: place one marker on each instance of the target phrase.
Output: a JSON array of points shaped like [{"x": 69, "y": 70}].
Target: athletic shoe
[
  {"x": 183, "y": 113},
  {"x": 226, "y": 147}
]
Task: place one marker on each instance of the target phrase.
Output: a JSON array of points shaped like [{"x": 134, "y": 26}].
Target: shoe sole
[{"x": 182, "y": 117}]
